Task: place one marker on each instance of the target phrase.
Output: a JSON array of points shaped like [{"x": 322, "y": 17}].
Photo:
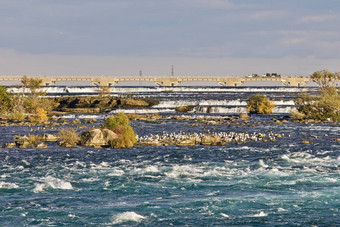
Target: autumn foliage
[
  {"x": 119, "y": 123},
  {"x": 260, "y": 104}
]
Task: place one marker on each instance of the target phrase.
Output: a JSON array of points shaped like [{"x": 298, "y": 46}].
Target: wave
[
  {"x": 52, "y": 183},
  {"x": 6, "y": 185},
  {"x": 127, "y": 217}
]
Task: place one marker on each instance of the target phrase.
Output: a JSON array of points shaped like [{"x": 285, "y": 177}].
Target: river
[{"x": 251, "y": 184}]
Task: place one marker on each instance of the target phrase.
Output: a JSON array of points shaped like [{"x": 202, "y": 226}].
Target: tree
[
  {"x": 34, "y": 98},
  {"x": 33, "y": 84},
  {"x": 325, "y": 78},
  {"x": 324, "y": 106},
  {"x": 5, "y": 99},
  {"x": 260, "y": 104}
]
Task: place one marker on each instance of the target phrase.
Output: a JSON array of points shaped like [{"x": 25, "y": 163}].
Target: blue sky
[{"x": 198, "y": 37}]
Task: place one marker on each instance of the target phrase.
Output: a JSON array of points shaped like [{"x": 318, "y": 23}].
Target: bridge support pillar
[
  {"x": 168, "y": 82},
  {"x": 47, "y": 81},
  {"x": 104, "y": 82},
  {"x": 295, "y": 82}
]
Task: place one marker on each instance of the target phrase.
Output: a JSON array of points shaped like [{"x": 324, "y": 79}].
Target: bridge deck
[{"x": 167, "y": 81}]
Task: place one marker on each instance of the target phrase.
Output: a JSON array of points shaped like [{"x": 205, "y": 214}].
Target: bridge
[{"x": 167, "y": 81}]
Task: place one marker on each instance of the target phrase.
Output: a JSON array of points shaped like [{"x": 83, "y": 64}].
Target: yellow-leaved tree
[{"x": 260, "y": 104}]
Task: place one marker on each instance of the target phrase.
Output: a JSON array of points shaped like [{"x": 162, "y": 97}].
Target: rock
[
  {"x": 93, "y": 137},
  {"x": 90, "y": 120},
  {"x": 97, "y": 137},
  {"x": 67, "y": 145},
  {"x": 49, "y": 137},
  {"x": 184, "y": 108},
  {"x": 151, "y": 143},
  {"x": 22, "y": 144},
  {"x": 212, "y": 123},
  {"x": 9, "y": 145},
  {"x": 306, "y": 142},
  {"x": 82, "y": 110},
  {"x": 76, "y": 121},
  {"x": 336, "y": 140},
  {"x": 41, "y": 146},
  {"x": 133, "y": 103},
  {"x": 243, "y": 116},
  {"x": 109, "y": 135},
  {"x": 186, "y": 142},
  {"x": 210, "y": 140}
]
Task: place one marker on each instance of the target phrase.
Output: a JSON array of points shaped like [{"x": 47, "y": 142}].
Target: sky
[{"x": 197, "y": 37}]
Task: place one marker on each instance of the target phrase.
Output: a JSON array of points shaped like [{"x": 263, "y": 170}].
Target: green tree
[
  {"x": 324, "y": 106},
  {"x": 325, "y": 78},
  {"x": 34, "y": 98},
  {"x": 260, "y": 104},
  {"x": 5, "y": 99}
]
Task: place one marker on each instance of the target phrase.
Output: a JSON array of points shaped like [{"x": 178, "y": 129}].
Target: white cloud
[
  {"x": 216, "y": 3},
  {"x": 316, "y": 19},
  {"x": 293, "y": 41},
  {"x": 268, "y": 14}
]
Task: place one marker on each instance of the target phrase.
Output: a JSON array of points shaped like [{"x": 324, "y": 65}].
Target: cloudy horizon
[{"x": 198, "y": 37}]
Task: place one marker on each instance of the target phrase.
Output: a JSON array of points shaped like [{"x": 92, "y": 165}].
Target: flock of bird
[{"x": 225, "y": 137}]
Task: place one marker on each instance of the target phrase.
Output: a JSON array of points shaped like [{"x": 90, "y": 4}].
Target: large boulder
[
  {"x": 93, "y": 137},
  {"x": 109, "y": 135},
  {"x": 210, "y": 140},
  {"x": 41, "y": 146},
  {"x": 97, "y": 137},
  {"x": 188, "y": 141},
  {"x": 49, "y": 137},
  {"x": 150, "y": 143}
]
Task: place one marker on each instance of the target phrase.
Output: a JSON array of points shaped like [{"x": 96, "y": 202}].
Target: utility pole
[{"x": 172, "y": 71}]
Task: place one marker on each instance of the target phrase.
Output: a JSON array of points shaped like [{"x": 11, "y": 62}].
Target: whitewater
[{"x": 281, "y": 183}]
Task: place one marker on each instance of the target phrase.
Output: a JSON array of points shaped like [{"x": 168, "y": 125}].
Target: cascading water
[{"x": 216, "y": 100}]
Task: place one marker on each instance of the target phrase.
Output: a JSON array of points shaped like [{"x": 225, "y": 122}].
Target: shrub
[
  {"x": 119, "y": 119},
  {"x": 27, "y": 141},
  {"x": 16, "y": 116},
  {"x": 260, "y": 104},
  {"x": 68, "y": 136},
  {"x": 296, "y": 115},
  {"x": 120, "y": 125},
  {"x": 39, "y": 116}
]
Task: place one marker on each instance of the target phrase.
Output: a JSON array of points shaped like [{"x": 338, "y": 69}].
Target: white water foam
[
  {"x": 262, "y": 164},
  {"x": 261, "y": 214},
  {"x": 52, "y": 183},
  {"x": 225, "y": 215},
  {"x": 127, "y": 217},
  {"x": 6, "y": 185}
]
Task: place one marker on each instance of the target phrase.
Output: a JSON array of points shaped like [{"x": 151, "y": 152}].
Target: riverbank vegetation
[
  {"x": 30, "y": 103},
  {"x": 260, "y": 104},
  {"x": 325, "y": 106}
]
